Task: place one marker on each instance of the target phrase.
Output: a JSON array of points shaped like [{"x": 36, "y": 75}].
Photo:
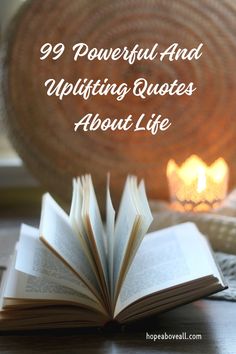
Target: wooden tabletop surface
[{"x": 214, "y": 320}]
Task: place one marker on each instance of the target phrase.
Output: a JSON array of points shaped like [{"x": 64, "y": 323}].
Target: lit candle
[{"x": 194, "y": 186}]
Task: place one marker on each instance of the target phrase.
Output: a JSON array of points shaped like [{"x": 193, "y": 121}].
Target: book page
[
  {"x": 23, "y": 286},
  {"x": 95, "y": 229},
  {"x": 144, "y": 221},
  {"x": 76, "y": 202},
  {"x": 110, "y": 228},
  {"x": 75, "y": 216},
  {"x": 35, "y": 259},
  {"x": 165, "y": 258},
  {"x": 126, "y": 219},
  {"x": 146, "y": 216},
  {"x": 57, "y": 234},
  {"x": 133, "y": 221}
]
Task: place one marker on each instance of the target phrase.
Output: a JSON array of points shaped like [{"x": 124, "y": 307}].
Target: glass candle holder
[{"x": 195, "y": 186}]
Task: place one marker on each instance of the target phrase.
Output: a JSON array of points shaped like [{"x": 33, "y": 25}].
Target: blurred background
[
  {"x": 7, "y": 9},
  {"x": 17, "y": 186},
  {"x": 42, "y": 127}
]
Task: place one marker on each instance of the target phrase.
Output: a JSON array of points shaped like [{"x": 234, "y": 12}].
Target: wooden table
[{"x": 214, "y": 320}]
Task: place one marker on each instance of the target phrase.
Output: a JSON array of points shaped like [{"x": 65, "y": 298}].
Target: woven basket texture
[{"x": 41, "y": 127}]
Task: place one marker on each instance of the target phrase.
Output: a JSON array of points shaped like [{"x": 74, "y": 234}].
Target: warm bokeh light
[{"x": 194, "y": 186}]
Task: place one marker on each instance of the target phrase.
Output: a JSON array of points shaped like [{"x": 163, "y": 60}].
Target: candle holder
[{"x": 194, "y": 186}]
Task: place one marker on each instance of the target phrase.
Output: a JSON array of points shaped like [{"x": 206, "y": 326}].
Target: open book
[{"x": 75, "y": 271}]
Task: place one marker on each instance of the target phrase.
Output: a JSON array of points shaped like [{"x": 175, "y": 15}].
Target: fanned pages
[
  {"x": 110, "y": 230},
  {"x": 77, "y": 271}
]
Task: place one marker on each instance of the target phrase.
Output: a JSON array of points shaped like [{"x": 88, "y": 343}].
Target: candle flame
[{"x": 201, "y": 180}]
